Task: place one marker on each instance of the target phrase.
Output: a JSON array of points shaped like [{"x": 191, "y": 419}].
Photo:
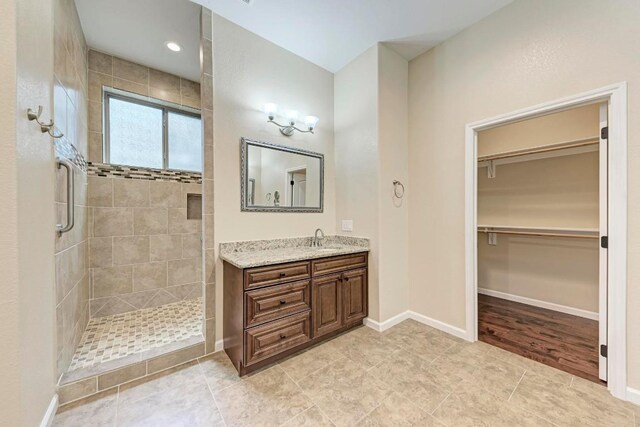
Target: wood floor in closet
[{"x": 563, "y": 341}]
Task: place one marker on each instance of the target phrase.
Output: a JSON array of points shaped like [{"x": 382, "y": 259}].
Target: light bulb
[
  {"x": 311, "y": 122},
  {"x": 292, "y": 116},
  {"x": 270, "y": 109}
]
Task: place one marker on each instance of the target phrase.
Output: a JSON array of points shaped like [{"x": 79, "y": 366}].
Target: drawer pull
[
  {"x": 282, "y": 336},
  {"x": 283, "y": 274},
  {"x": 282, "y": 302},
  {"x": 346, "y": 279}
]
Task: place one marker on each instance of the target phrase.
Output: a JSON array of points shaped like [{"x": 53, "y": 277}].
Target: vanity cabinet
[{"x": 273, "y": 311}]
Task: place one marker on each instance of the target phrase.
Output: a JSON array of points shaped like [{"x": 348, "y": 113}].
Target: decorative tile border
[
  {"x": 151, "y": 174},
  {"x": 64, "y": 148}
]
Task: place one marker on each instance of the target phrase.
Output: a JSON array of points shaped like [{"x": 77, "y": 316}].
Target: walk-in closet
[{"x": 541, "y": 216}]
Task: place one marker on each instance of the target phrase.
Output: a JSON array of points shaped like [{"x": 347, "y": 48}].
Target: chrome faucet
[{"x": 317, "y": 241}]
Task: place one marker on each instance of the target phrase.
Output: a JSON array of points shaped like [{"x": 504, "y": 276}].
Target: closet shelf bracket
[{"x": 491, "y": 169}]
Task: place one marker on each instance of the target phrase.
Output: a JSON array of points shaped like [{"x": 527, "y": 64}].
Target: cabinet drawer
[
  {"x": 274, "y": 302},
  {"x": 332, "y": 265},
  {"x": 275, "y": 337},
  {"x": 275, "y": 274}
]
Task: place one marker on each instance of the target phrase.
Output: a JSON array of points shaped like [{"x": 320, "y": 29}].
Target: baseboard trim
[
  {"x": 47, "y": 420},
  {"x": 633, "y": 395},
  {"x": 542, "y": 304},
  {"x": 383, "y": 326},
  {"x": 444, "y": 327},
  {"x": 219, "y": 346}
]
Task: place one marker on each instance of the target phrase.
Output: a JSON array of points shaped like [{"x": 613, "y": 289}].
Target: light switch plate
[{"x": 347, "y": 225}]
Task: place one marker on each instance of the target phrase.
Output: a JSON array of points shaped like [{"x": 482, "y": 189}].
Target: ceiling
[
  {"x": 137, "y": 30},
  {"x": 331, "y": 33}
]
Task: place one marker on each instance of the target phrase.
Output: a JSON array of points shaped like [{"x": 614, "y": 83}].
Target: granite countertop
[{"x": 257, "y": 253}]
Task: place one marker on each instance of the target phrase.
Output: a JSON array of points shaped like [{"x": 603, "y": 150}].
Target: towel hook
[
  {"x": 44, "y": 127},
  {"x": 398, "y": 189}
]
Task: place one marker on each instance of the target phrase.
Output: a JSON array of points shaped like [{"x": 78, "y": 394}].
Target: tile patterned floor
[
  {"x": 408, "y": 375},
  {"x": 112, "y": 337}
]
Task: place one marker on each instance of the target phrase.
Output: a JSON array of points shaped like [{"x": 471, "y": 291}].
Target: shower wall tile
[
  {"x": 111, "y": 281},
  {"x": 100, "y": 192},
  {"x": 131, "y": 192},
  {"x": 130, "y": 71},
  {"x": 100, "y": 62},
  {"x": 150, "y": 221},
  {"x": 151, "y": 275},
  {"x": 164, "y": 247},
  {"x": 112, "y": 222},
  {"x": 130, "y": 250},
  {"x": 100, "y": 252},
  {"x": 131, "y": 253}
]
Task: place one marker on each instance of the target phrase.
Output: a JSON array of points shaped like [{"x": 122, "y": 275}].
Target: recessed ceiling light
[{"x": 174, "y": 46}]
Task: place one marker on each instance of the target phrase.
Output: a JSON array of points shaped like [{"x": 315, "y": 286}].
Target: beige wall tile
[
  {"x": 164, "y": 247},
  {"x": 209, "y": 301},
  {"x": 95, "y": 147},
  {"x": 165, "y": 95},
  {"x": 130, "y": 71},
  {"x": 130, "y": 192},
  {"x": 100, "y": 252},
  {"x": 191, "y": 245},
  {"x": 77, "y": 390},
  {"x": 172, "y": 359},
  {"x": 95, "y": 116},
  {"x": 183, "y": 271},
  {"x": 69, "y": 269},
  {"x": 100, "y": 62},
  {"x": 100, "y": 191},
  {"x": 122, "y": 375},
  {"x": 207, "y": 59},
  {"x": 138, "y": 88},
  {"x": 165, "y": 194},
  {"x": 210, "y": 335},
  {"x": 96, "y": 82},
  {"x": 112, "y": 222},
  {"x": 208, "y": 232},
  {"x": 151, "y": 275},
  {"x": 178, "y": 222},
  {"x": 208, "y": 197},
  {"x": 189, "y": 89},
  {"x": 150, "y": 221},
  {"x": 161, "y": 80},
  {"x": 210, "y": 265},
  {"x": 130, "y": 250},
  {"x": 206, "y": 95},
  {"x": 190, "y": 102},
  {"x": 112, "y": 281}
]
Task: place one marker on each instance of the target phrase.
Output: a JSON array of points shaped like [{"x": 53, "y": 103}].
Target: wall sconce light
[{"x": 291, "y": 116}]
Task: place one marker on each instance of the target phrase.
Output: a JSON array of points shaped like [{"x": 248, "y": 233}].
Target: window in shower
[{"x": 151, "y": 134}]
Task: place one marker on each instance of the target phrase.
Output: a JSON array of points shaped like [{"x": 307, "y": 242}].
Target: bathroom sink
[{"x": 326, "y": 248}]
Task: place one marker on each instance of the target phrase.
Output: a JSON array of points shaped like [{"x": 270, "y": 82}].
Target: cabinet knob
[
  {"x": 282, "y": 301},
  {"x": 282, "y": 336},
  {"x": 283, "y": 274},
  {"x": 346, "y": 279}
]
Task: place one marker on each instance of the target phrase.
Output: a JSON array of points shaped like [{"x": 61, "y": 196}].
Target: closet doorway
[{"x": 547, "y": 195}]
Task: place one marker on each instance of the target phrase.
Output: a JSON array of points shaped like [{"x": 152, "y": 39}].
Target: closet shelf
[
  {"x": 579, "y": 233},
  {"x": 544, "y": 149}
]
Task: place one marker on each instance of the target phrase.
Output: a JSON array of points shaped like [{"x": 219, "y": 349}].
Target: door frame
[{"x": 616, "y": 98}]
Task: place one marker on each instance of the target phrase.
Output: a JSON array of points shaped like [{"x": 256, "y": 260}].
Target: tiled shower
[{"x": 131, "y": 280}]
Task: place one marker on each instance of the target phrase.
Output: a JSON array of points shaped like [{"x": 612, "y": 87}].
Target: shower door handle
[{"x": 60, "y": 228}]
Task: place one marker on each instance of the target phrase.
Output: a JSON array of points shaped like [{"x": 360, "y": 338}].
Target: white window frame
[{"x": 165, "y": 107}]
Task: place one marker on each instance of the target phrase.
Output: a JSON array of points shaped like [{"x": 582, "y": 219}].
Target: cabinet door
[
  {"x": 327, "y": 304},
  {"x": 354, "y": 296}
]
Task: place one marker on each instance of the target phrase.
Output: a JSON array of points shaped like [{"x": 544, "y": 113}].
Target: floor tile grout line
[
  {"x": 215, "y": 402},
  {"x": 515, "y": 388},
  {"x": 308, "y": 397},
  {"x": 440, "y": 404}
]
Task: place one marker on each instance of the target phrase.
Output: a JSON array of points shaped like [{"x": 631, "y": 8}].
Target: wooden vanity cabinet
[{"x": 273, "y": 311}]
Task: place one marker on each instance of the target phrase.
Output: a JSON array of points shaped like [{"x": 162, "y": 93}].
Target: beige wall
[
  {"x": 249, "y": 72},
  {"x": 111, "y": 71},
  {"x": 530, "y": 52},
  {"x": 393, "y": 140},
  {"x": 143, "y": 250},
  {"x": 70, "y": 113},
  {"x": 371, "y": 113},
  {"x": 27, "y": 318},
  {"x": 357, "y": 158}
]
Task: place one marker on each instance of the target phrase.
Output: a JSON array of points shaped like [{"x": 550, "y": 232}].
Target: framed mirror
[{"x": 276, "y": 178}]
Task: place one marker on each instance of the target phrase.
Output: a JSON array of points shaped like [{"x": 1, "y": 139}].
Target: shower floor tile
[{"x": 113, "y": 337}]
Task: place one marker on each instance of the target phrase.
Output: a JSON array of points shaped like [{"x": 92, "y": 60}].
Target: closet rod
[
  {"x": 541, "y": 234},
  {"x": 542, "y": 149}
]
